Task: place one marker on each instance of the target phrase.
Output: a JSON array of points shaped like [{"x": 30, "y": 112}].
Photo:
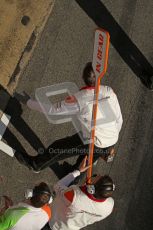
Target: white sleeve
[
  {"x": 108, "y": 92},
  {"x": 117, "y": 109},
  {"x": 119, "y": 119},
  {"x": 65, "y": 181},
  {"x": 60, "y": 108}
]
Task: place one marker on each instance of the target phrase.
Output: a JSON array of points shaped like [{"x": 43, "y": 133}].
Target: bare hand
[
  {"x": 83, "y": 166},
  {"x": 2, "y": 210},
  {"x": 8, "y": 201}
]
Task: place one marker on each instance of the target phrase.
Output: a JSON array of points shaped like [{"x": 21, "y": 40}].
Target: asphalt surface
[{"x": 65, "y": 46}]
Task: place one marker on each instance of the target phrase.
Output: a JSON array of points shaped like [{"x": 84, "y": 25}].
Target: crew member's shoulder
[
  {"x": 106, "y": 90},
  {"x": 110, "y": 201}
]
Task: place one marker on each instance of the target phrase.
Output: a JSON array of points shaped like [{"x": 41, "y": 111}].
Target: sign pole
[{"x": 99, "y": 63}]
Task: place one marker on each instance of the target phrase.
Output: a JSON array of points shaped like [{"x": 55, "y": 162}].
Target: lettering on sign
[{"x": 99, "y": 53}]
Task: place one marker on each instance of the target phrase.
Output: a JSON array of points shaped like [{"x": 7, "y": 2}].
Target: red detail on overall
[{"x": 88, "y": 87}]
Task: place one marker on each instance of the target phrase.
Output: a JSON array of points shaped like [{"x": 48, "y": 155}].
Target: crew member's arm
[
  {"x": 119, "y": 117},
  {"x": 2, "y": 210},
  {"x": 117, "y": 110},
  {"x": 66, "y": 107},
  {"x": 8, "y": 203},
  {"x": 107, "y": 92},
  {"x": 62, "y": 185}
]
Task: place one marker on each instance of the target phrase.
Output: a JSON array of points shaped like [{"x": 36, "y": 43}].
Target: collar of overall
[{"x": 88, "y": 87}]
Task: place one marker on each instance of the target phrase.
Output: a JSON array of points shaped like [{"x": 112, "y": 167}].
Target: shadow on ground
[
  {"x": 14, "y": 109},
  {"x": 129, "y": 52},
  {"x": 139, "y": 214}
]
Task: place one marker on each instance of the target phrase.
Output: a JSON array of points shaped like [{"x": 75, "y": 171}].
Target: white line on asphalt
[
  {"x": 3, "y": 125},
  {"x": 7, "y": 149}
]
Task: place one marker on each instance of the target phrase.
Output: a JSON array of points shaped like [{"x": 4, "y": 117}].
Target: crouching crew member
[
  {"x": 78, "y": 206},
  {"x": 31, "y": 214}
]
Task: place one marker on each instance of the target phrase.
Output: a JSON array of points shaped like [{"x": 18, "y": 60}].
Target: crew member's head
[
  {"x": 89, "y": 75},
  {"x": 41, "y": 195},
  {"x": 103, "y": 187}
]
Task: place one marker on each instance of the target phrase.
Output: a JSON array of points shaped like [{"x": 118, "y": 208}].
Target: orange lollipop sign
[
  {"x": 99, "y": 63},
  {"x": 100, "y": 54}
]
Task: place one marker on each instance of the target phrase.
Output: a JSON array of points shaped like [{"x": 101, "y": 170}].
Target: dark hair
[
  {"x": 89, "y": 75},
  {"x": 41, "y": 195},
  {"x": 103, "y": 187}
]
